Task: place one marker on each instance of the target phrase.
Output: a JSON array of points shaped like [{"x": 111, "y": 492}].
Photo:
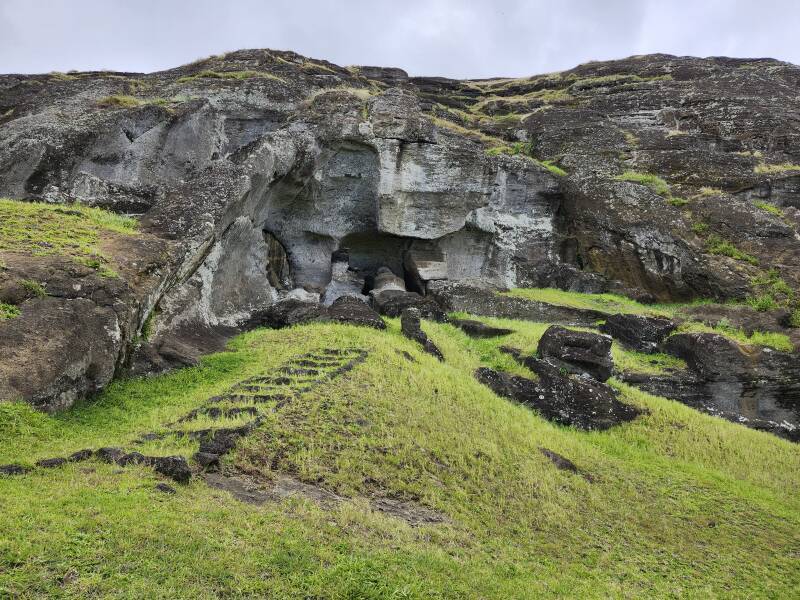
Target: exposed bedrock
[{"x": 301, "y": 179}]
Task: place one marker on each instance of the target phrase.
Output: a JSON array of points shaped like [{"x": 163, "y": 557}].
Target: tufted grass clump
[
  {"x": 775, "y": 169},
  {"x": 8, "y": 311},
  {"x": 720, "y": 246},
  {"x": 654, "y": 182},
  {"x": 770, "y": 208},
  {"x": 677, "y": 201},
  {"x": 34, "y": 287},
  {"x": 771, "y": 292},
  {"x": 119, "y": 101},
  {"x": 553, "y": 168}
]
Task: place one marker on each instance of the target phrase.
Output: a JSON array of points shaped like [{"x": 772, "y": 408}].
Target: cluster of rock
[{"x": 571, "y": 367}]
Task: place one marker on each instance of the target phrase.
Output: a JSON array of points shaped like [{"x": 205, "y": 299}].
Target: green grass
[
  {"x": 775, "y": 169},
  {"x": 8, "y": 311},
  {"x": 612, "y": 303},
  {"x": 778, "y": 341},
  {"x": 770, "y": 208},
  {"x": 40, "y": 229},
  {"x": 119, "y": 101},
  {"x": 681, "y": 504},
  {"x": 34, "y": 287},
  {"x": 607, "y": 303},
  {"x": 654, "y": 182},
  {"x": 705, "y": 192},
  {"x": 771, "y": 291},
  {"x": 723, "y": 247},
  {"x": 526, "y": 337},
  {"x": 239, "y": 75},
  {"x": 554, "y": 169},
  {"x": 676, "y": 201}
]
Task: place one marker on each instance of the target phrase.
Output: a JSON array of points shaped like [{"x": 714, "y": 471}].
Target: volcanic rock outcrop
[{"x": 263, "y": 175}]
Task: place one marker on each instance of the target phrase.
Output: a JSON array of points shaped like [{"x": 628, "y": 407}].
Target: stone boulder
[
  {"x": 348, "y": 309},
  {"x": 638, "y": 332},
  {"x": 477, "y": 329},
  {"x": 393, "y": 302},
  {"x": 711, "y": 355},
  {"x": 424, "y": 262},
  {"x": 578, "y": 352},
  {"x": 345, "y": 309},
  {"x": 411, "y": 327},
  {"x": 291, "y": 312},
  {"x": 567, "y": 400},
  {"x": 478, "y": 298}
]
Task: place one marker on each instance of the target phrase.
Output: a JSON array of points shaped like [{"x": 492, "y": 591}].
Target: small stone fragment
[
  {"x": 174, "y": 467},
  {"x": 477, "y": 329},
  {"x": 80, "y": 455},
  {"x": 110, "y": 454},
  {"x": 167, "y": 489},
  {"x": 207, "y": 460},
  {"x": 13, "y": 469},
  {"x": 51, "y": 463}
]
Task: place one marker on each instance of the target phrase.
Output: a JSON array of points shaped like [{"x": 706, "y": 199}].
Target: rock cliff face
[{"x": 260, "y": 175}]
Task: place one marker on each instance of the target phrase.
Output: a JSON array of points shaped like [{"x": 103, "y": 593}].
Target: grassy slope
[
  {"x": 682, "y": 503},
  {"x": 40, "y": 229},
  {"x": 613, "y": 303}
]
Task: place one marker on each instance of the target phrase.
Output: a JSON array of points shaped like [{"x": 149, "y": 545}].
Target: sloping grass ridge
[{"x": 679, "y": 503}]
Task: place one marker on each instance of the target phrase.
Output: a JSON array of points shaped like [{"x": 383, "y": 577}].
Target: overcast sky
[{"x": 455, "y": 38}]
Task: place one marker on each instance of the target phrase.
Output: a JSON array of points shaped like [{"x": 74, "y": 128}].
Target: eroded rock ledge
[{"x": 302, "y": 179}]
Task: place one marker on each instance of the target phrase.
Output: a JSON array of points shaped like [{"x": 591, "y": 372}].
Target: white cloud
[{"x": 456, "y": 38}]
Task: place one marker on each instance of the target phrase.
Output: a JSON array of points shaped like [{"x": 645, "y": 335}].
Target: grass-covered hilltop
[{"x": 275, "y": 328}]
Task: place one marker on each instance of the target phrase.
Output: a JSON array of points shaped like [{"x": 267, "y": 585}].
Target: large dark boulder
[
  {"x": 392, "y": 303},
  {"x": 638, "y": 332},
  {"x": 568, "y": 400},
  {"x": 477, "y": 329},
  {"x": 348, "y": 309},
  {"x": 291, "y": 312},
  {"x": 477, "y": 299},
  {"x": 579, "y": 352},
  {"x": 712, "y": 356}
]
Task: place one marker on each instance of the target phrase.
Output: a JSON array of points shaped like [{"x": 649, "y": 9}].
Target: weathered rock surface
[
  {"x": 579, "y": 352},
  {"x": 291, "y": 312},
  {"x": 345, "y": 309},
  {"x": 303, "y": 175},
  {"x": 411, "y": 327},
  {"x": 392, "y": 303},
  {"x": 745, "y": 384},
  {"x": 477, "y": 329},
  {"x": 568, "y": 400},
  {"x": 638, "y": 332},
  {"x": 480, "y": 299},
  {"x": 354, "y": 311}
]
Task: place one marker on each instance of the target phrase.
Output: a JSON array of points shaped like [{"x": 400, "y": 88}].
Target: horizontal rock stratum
[{"x": 261, "y": 175}]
